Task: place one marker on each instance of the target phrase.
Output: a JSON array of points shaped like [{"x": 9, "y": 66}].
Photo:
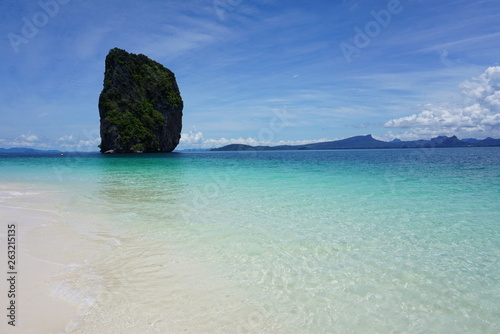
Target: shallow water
[{"x": 350, "y": 241}]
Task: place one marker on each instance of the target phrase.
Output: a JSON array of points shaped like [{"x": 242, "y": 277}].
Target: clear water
[{"x": 355, "y": 241}]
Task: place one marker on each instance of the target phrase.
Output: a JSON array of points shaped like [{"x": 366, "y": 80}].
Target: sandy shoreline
[
  {"x": 38, "y": 229},
  {"x": 76, "y": 276}
]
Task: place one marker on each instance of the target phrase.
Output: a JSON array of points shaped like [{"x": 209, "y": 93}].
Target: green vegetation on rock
[{"x": 140, "y": 105}]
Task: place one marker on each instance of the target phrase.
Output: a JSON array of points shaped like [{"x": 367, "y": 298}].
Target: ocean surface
[{"x": 348, "y": 241}]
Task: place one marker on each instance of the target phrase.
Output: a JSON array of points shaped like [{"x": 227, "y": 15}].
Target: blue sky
[{"x": 257, "y": 72}]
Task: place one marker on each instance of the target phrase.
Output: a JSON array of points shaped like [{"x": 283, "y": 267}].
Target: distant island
[
  {"x": 365, "y": 142},
  {"x": 26, "y": 150},
  {"x": 140, "y": 105}
]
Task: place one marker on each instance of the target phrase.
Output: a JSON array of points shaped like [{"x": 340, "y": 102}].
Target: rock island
[{"x": 140, "y": 105}]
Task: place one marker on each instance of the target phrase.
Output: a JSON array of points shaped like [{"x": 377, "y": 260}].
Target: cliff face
[{"x": 140, "y": 105}]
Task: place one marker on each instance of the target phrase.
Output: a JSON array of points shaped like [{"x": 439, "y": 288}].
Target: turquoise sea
[{"x": 348, "y": 241}]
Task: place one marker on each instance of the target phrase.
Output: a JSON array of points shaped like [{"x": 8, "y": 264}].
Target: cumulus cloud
[
  {"x": 478, "y": 116},
  {"x": 72, "y": 143},
  {"x": 191, "y": 138},
  {"x": 25, "y": 140}
]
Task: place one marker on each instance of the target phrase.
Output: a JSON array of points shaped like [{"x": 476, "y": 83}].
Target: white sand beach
[
  {"x": 76, "y": 276},
  {"x": 45, "y": 245}
]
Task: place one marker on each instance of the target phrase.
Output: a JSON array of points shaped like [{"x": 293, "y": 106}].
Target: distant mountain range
[
  {"x": 357, "y": 142},
  {"x": 25, "y": 150},
  {"x": 363, "y": 142}
]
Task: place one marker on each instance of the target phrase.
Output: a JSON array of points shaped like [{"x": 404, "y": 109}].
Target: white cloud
[
  {"x": 66, "y": 139},
  {"x": 191, "y": 138},
  {"x": 71, "y": 143},
  {"x": 176, "y": 44},
  {"x": 254, "y": 142},
  {"x": 195, "y": 139},
  {"x": 28, "y": 138},
  {"x": 84, "y": 142},
  {"x": 464, "y": 42},
  {"x": 24, "y": 140},
  {"x": 477, "y": 116}
]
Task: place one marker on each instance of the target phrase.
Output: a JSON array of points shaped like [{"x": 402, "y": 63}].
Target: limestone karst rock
[{"x": 140, "y": 105}]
